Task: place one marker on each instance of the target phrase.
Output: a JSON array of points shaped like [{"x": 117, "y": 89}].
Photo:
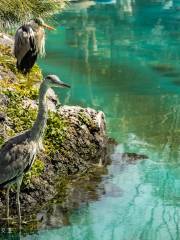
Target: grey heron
[
  {"x": 18, "y": 153},
  {"x": 29, "y": 43}
]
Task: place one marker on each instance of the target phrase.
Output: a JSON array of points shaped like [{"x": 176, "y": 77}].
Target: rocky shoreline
[{"x": 75, "y": 142}]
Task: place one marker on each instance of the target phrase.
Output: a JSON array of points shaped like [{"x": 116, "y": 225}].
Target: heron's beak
[
  {"x": 48, "y": 27},
  {"x": 64, "y": 85}
]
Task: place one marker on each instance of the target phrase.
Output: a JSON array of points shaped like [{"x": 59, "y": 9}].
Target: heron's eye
[{"x": 38, "y": 21}]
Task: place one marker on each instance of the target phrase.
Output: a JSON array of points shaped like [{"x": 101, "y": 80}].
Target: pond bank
[{"x": 75, "y": 141}]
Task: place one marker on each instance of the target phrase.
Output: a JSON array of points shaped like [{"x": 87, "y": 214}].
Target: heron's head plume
[{"x": 54, "y": 81}]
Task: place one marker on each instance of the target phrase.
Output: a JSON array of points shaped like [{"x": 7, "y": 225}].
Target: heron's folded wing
[
  {"x": 24, "y": 41},
  {"x": 15, "y": 161}
]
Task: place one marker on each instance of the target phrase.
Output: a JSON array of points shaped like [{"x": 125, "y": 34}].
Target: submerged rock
[
  {"x": 131, "y": 158},
  {"x": 128, "y": 158},
  {"x": 166, "y": 70}
]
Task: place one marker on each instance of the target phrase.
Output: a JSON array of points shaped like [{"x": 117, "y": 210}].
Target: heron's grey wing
[
  {"x": 15, "y": 157},
  {"x": 7, "y": 146},
  {"x": 24, "y": 41}
]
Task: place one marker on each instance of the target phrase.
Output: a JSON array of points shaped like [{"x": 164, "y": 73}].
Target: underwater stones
[
  {"x": 166, "y": 70},
  {"x": 131, "y": 158},
  {"x": 162, "y": 67},
  {"x": 128, "y": 158}
]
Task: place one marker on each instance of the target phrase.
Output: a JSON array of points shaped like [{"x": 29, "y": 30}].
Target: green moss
[
  {"x": 85, "y": 119},
  {"x": 21, "y": 117},
  {"x": 21, "y": 82},
  {"x": 36, "y": 170},
  {"x": 55, "y": 132}
]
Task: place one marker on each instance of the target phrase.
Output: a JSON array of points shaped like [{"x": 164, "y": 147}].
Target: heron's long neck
[{"x": 40, "y": 123}]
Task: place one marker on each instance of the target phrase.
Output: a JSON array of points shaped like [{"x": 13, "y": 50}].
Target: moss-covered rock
[{"x": 74, "y": 141}]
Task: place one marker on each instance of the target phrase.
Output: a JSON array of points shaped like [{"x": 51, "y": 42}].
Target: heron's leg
[
  {"x": 19, "y": 181},
  {"x": 7, "y": 201}
]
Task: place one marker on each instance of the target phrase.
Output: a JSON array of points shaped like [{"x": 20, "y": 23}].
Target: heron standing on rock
[
  {"x": 18, "y": 153},
  {"x": 29, "y": 43}
]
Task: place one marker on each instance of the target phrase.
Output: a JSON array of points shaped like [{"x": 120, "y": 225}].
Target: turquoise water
[{"x": 123, "y": 57}]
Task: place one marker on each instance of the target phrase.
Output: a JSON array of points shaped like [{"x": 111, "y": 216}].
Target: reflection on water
[
  {"x": 123, "y": 57},
  {"x": 126, "y": 64}
]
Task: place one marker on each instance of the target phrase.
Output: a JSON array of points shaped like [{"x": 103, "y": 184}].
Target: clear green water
[{"x": 124, "y": 58}]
